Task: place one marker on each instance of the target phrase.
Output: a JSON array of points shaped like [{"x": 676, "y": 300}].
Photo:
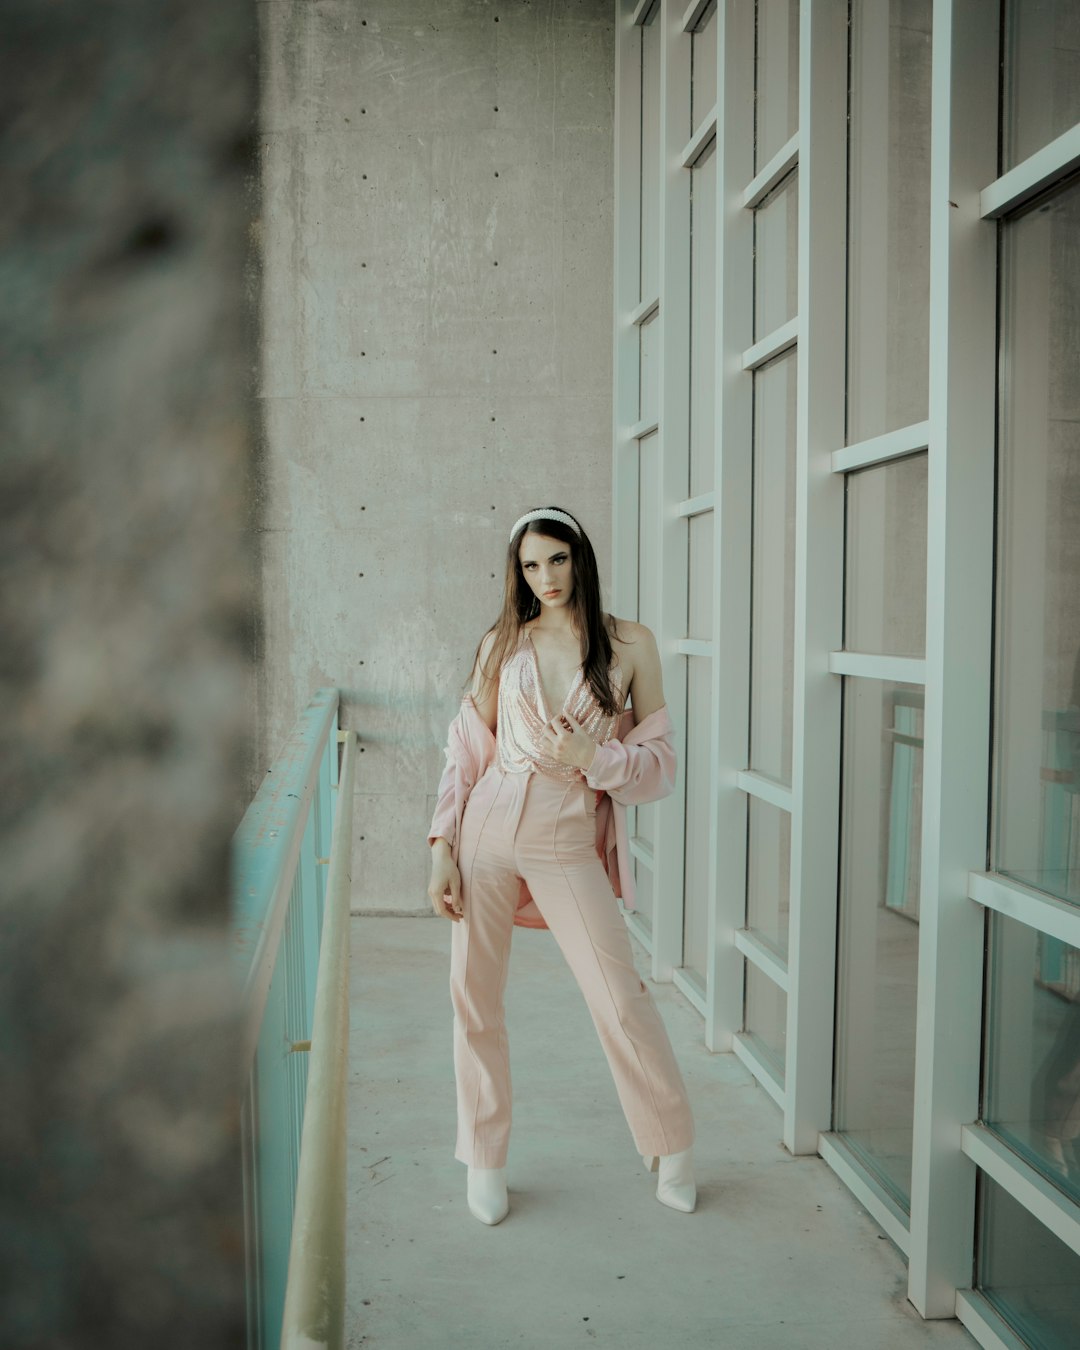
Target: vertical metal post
[
  {"x": 674, "y": 450},
  {"x": 819, "y": 571},
  {"x": 624, "y": 476},
  {"x": 959, "y": 613},
  {"x": 734, "y": 472}
]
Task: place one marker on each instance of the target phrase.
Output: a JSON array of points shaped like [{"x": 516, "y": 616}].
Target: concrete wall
[
  {"x": 126, "y": 597},
  {"x": 437, "y": 357}
]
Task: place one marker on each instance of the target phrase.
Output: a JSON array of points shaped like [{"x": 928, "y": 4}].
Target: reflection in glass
[
  {"x": 776, "y": 78},
  {"x": 1029, "y": 1275},
  {"x": 766, "y": 1017},
  {"x": 649, "y": 531},
  {"x": 650, "y": 161},
  {"x": 703, "y": 68},
  {"x": 641, "y": 823},
  {"x": 879, "y": 934},
  {"x": 773, "y": 576},
  {"x": 885, "y": 578},
  {"x": 776, "y": 257},
  {"x": 889, "y": 217},
  {"x": 1037, "y": 676},
  {"x": 649, "y": 369},
  {"x": 698, "y": 822},
  {"x": 1032, "y": 1080},
  {"x": 1042, "y": 74},
  {"x": 703, "y": 323},
  {"x": 700, "y": 617},
  {"x": 643, "y": 886},
  {"x": 768, "y": 873}
]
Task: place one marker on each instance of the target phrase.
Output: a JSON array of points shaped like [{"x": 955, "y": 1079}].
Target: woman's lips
[{"x": 550, "y": 595}]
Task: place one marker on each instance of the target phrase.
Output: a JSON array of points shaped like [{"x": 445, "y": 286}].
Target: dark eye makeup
[{"x": 558, "y": 558}]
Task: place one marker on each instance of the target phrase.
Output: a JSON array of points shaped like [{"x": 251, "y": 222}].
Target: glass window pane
[
  {"x": 768, "y": 873},
  {"x": 885, "y": 573},
  {"x": 1042, "y": 74},
  {"x": 703, "y": 67},
  {"x": 700, "y": 617},
  {"x": 643, "y": 885},
  {"x": 776, "y": 77},
  {"x": 879, "y": 933},
  {"x": 650, "y": 161},
  {"x": 703, "y": 323},
  {"x": 766, "y": 1016},
  {"x": 889, "y": 217},
  {"x": 773, "y": 579},
  {"x": 698, "y": 821},
  {"x": 1032, "y": 1080},
  {"x": 649, "y": 369},
  {"x": 1037, "y": 756},
  {"x": 776, "y": 257},
  {"x": 649, "y": 531},
  {"x": 1028, "y": 1274}
]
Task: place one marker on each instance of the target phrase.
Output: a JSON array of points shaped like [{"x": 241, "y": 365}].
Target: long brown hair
[{"x": 520, "y": 605}]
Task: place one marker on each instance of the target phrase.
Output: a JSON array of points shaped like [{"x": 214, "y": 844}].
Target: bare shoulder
[
  {"x": 487, "y": 642},
  {"x": 481, "y": 673},
  {"x": 629, "y": 630},
  {"x": 484, "y": 688},
  {"x": 636, "y": 648},
  {"x": 632, "y": 641}
]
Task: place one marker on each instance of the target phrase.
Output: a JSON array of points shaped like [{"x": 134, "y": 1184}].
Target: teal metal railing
[{"x": 290, "y": 901}]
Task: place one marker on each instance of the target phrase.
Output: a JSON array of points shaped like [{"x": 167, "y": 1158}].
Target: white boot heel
[
  {"x": 486, "y": 1194},
  {"x": 676, "y": 1187},
  {"x": 651, "y": 1163}
]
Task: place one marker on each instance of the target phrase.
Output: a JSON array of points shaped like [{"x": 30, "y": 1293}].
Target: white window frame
[{"x": 958, "y": 436}]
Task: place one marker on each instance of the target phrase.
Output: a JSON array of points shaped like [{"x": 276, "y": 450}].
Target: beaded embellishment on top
[{"x": 523, "y": 714}]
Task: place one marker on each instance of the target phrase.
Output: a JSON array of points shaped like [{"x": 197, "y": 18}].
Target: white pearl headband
[{"x": 549, "y": 514}]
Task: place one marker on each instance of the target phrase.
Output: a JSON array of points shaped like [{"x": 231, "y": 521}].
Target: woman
[{"x": 530, "y": 829}]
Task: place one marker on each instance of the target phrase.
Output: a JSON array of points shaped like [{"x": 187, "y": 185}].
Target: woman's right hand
[{"x": 445, "y": 877}]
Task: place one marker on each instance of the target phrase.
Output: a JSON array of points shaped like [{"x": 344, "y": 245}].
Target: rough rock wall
[{"x": 125, "y": 637}]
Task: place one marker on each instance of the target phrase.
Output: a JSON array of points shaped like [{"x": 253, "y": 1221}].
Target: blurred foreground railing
[{"x": 291, "y": 876}]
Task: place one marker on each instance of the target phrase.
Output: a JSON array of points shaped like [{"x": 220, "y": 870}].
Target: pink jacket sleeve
[
  {"x": 638, "y": 765},
  {"x": 444, "y": 820},
  {"x": 470, "y": 749}
]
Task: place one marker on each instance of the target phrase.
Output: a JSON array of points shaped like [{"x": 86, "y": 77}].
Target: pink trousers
[{"x": 544, "y": 830}]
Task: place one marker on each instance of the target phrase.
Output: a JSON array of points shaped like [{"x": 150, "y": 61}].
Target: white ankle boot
[
  {"x": 675, "y": 1187},
  {"x": 487, "y": 1194}
]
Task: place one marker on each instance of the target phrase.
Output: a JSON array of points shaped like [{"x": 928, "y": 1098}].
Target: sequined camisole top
[{"x": 523, "y": 714}]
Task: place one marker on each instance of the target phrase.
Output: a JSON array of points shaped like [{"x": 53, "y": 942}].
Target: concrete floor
[{"x": 778, "y": 1256}]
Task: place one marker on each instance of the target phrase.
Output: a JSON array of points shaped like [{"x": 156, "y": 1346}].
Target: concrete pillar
[
  {"x": 125, "y": 638},
  {"x": 436, "y": 358}
]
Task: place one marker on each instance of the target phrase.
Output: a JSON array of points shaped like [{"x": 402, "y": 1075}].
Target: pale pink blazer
[{"x": 636, "y": 766}]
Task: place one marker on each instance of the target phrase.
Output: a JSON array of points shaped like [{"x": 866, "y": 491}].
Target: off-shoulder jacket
[{"x": 634, "y": 767}]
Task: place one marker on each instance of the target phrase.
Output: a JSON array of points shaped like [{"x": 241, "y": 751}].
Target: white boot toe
[
  {"x": 676, "y": 1187},
  {"x": 487, "y": 1196}
]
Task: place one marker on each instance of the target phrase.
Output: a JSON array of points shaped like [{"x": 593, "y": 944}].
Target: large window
[
  {"x": 888, "y": 216},
  {"x": 847, "y": 499},
  {"x": 879, "y": 934},
  {"x": 888, "y": 273},
  {"x": 1032, "y": 1088},
  {"x": 773, "y": 584},
  {"x": 1037, "y": 816},
  {"x": 1028, "y": 1267},
  {"x": 1027, "y": 1273}
]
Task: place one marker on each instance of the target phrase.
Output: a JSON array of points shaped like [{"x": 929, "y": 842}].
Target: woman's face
[{"x": 548, "y": 568}]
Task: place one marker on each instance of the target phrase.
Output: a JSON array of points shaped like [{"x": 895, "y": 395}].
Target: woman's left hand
[{"x": 568, "y": 742}]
